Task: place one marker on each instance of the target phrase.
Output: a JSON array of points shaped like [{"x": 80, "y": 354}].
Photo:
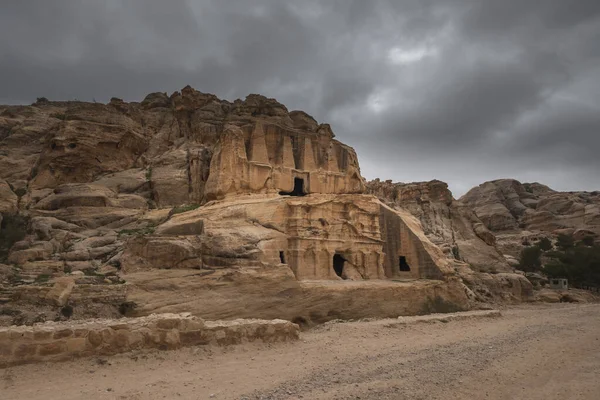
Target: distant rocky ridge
[
  {"x": 494, "y": 220},
  {"x": 521, "y": 213}
]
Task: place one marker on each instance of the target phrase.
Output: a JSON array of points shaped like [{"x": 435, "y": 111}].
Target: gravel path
[{"x": 532, "y": 352}]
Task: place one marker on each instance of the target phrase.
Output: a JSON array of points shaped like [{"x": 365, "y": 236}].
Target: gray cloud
[{"x": 459, "y": 90}]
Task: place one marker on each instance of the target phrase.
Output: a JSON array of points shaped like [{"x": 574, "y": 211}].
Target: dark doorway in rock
[
  {"x": 282, "y": 257},
  {"x": 404, "y": 267},
  {"x": 298, "y": 188},
  {"x": 338, "y": 264}
]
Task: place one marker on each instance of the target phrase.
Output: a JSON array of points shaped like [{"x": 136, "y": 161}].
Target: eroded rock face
[
  {"x": 174, "y": 150},
  {"x": 192, "y": 186},
  {"x": 520, "y": 213},
  {"x": 448, "y": 223}
]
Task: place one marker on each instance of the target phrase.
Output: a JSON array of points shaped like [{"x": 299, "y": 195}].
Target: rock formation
[
  {"x": 191, "y": 203},
  {"x": 521, "y": 213},
  {"x": 467, "y": 243},
  {"x": 448, "y": 223}
]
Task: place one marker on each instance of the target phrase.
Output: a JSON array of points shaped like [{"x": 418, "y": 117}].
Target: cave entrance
[
  {"x": 282, "y": 257},
  {"x": 404, "y": 267},
  {"x": 338, "y": 264},
  {"x": 298, "y": 189}
]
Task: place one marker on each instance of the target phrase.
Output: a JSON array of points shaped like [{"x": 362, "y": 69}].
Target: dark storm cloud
[{"x": 458, "y": 90}]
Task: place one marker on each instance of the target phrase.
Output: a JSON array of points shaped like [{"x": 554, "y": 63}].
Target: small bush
[
  {"x": 565, "y": 242},
  {"x": 41, "y": 100},
  {"x": 455, "y": 252},
  {"x": 182, "y": 209},
  {"x": 91, "y": 272},
  {"x": 127, "y": 308},
  {"x": 42, "y": 278},
  {"x": 545, "y": 244},
  {"x": 587, "y": 241},
  {"x": 12, "y": 230},
  {"x": 149, "y": 230},
  {"x": 60, "y": 116},
  {"x": 149, "y": 174},
  {"x": 530, "y": 259},
  {"x": 67, "y": 311}
]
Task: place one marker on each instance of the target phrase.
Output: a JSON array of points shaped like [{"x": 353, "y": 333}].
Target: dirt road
[{"x": 533, "y": 352}]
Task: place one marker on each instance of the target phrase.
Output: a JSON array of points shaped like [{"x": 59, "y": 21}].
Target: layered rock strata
[
  {"x": 522, "y": 213},
  {"x": 97, "y": 199},
  {"x": 465, "y": 240}
]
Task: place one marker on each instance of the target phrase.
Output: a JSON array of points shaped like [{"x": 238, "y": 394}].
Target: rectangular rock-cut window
[
  {"x": 282, "y": 257},
  {"x": 298, "y": 189},
  {"x": 403, "y": 265}
]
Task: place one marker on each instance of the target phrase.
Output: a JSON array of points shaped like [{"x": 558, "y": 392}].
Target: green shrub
[
  {"x": 91, "y": 272},
  {"x": 587, "y": 241},
  {"x": 545, "y": 244},
  {"x": 580, "y": 264},
  {"x": 530, "y": 259},
  {"x": 455, "y": 252},
  {"x": 148, "y": 230},
  {"x": 42, "y": 278},
  {"x": 12, "y": 230},
  {"x": 61, "y": 116},
  {"x": 182, "y": 209},
  {"x": 565, "y": 242}
]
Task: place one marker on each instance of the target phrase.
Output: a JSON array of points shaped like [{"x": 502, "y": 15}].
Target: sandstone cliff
[
  {"x": 192, "y": 203},
  {"x": 520, "y": 213},
  {"x": 448, "y": 223},
  {"x": 467, "y": 243}
]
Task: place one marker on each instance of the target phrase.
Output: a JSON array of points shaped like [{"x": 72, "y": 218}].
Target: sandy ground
[{"x": 532, "y": 352}]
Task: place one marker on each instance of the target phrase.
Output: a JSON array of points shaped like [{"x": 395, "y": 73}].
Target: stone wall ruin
[{"x": 63, "y": 341}]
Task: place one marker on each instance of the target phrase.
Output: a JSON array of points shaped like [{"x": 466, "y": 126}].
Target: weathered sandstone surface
[
  {"x": 191, "y": 203},
  {"x": 465, "y": 240},
  {"x": 520, "y": 213},
  {"x": 448, "y": 223}
]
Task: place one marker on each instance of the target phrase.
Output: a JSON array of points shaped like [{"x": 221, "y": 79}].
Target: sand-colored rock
[
  {"x": 522, "y": 213},
  {"x": 497, "y": 287},
  {"x": 274, "y": 292},
  {"x": 63, "y": 341},
  {"x": 546, "y": 295},
  {"x": 123, "y": 198},
  {"x": 306, "y": 234},
  {"x": 448, "y": 223}
]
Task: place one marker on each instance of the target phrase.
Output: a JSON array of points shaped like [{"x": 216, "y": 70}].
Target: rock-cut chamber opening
[
  {"x": 282, "y": 257},
  {"x": 298, "y": 188},
  {"x": 404, "y": 267},
  {"x": 338, "y": 265}
]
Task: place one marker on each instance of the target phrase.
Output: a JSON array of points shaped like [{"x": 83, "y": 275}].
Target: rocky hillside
[
  {"x": 462, "y": 236},
  {"x": 450, "y": 224},
  {"x": 520, "y": 213}
]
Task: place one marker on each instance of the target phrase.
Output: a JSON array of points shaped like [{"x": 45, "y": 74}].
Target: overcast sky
[{"x": 457, "y": 90}]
